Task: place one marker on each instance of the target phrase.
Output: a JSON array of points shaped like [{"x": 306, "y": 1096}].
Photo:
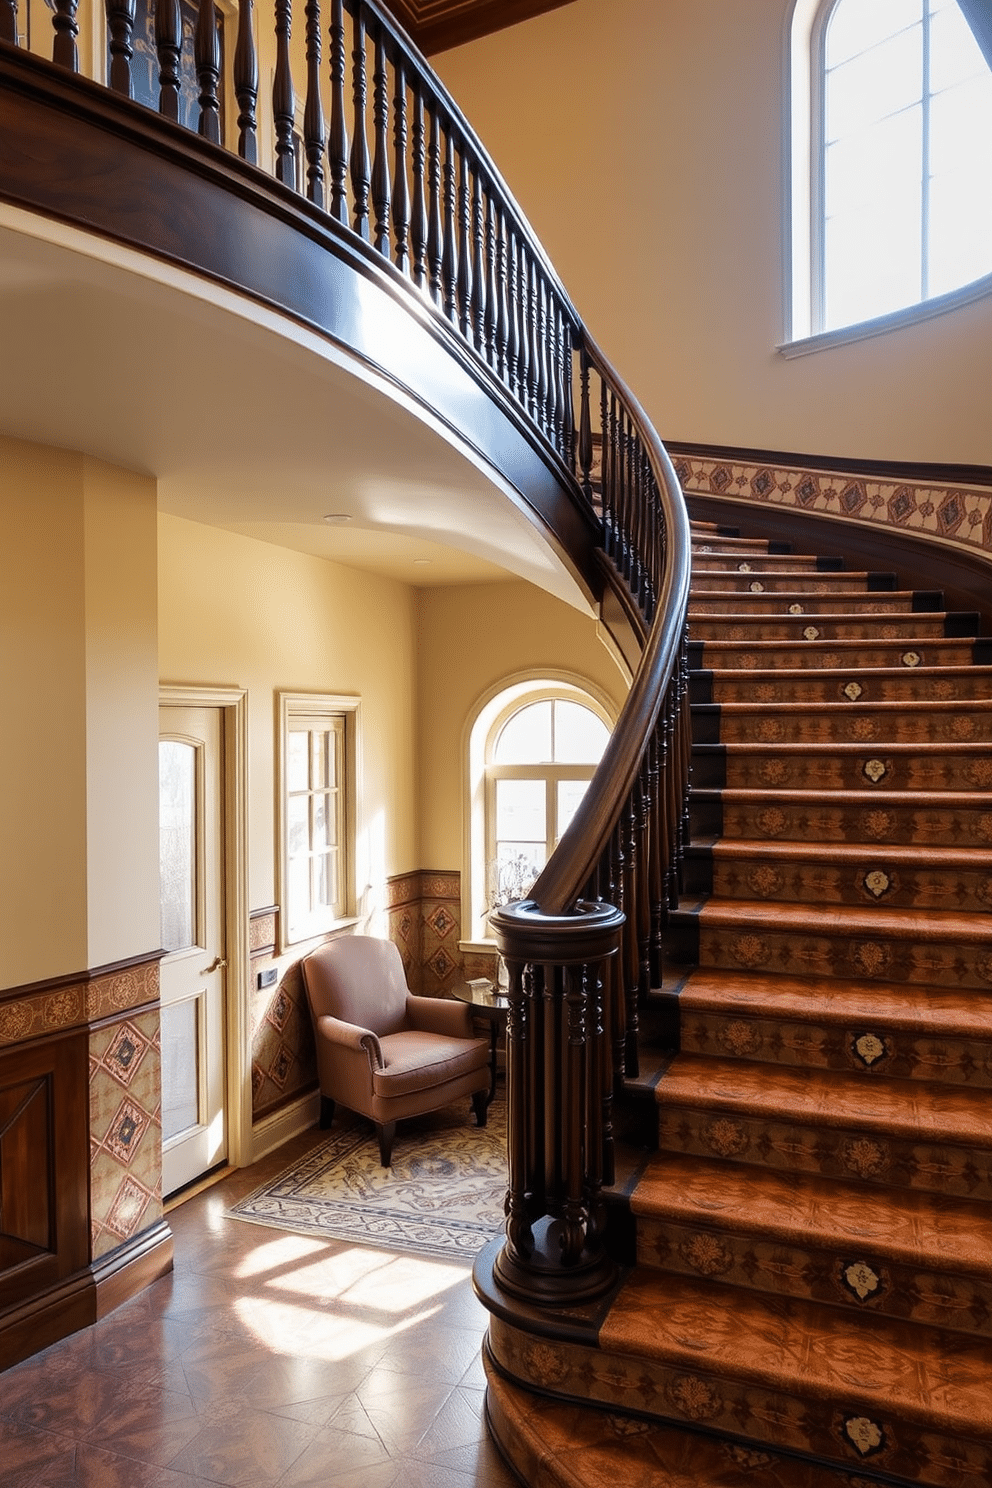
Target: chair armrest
[
  {"x": 351, "y": 1036},
  {"x": 440, "y": 1015}
]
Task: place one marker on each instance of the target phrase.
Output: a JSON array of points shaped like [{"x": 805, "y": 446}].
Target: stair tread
[
  {"x": 760, "y": 675},
  {"x": 912, "y": 1109},
  {"x": 903, "y": 854},
  {"x": 855, "y": 710},
  {"x": 940, "y": 1011},
  {"x": 844, "y": 747},
  {"x": 947, "y": 800},
  {"x": 901, "y": 1225},
  {"x": 931, "y": 924},
  {"x": 789, "y": 1344}
]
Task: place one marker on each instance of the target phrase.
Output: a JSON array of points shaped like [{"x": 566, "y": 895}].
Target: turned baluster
[
  {"x": 361, "y": 168},
  {"x": 543, "y": 350},
  {"x": 313, "y": 110},
  {"x": 554, "y": 371},
  {"x": 206, "y": 54},
  {"x": 8, "y": 21},
  {"x": 283, "y": 97},
  {"x": 491, "y": 312},
  {"x": 120, "y": 23},
  {"x": 585, "y": 436},
  {"x": 658, "y": 853},
  {"x": 168, "y": 45},
  {"x": 381, "y": 185},
  {"x": 567, "y": 407},
  {"x": 66, "y": 30},
  {"x": 464, "y": 247},
  {"x": 418, "y": 219},
  {"x": 644, "y": 806},
  {"x": 246, "y": 84},
  {"x": 519, "y": 1038},
  {"x": 478, "y": 314},
  {"x": 512, "y": 315},
  {"x": 606, "y": 475},
  {"x": 449, "y": 255},
  {"x": 572, "y": 1106},
  {"x": 338, "y": 145},
  {"x": 502, "y": 312},
  {"x": 523, "y": 330},
  {"x": 401, "y": 190},
  {"x": 533, "y": 342},
  {"x": 435, "y": 251}
]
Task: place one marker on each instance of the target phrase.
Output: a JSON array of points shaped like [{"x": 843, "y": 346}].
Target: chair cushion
[{"x": 422, "y": 1061}]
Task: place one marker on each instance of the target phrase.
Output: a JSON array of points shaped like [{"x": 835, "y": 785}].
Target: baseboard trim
[
  {"x": 85, "y": 1296},
  {"x": 295, "y": 1117}
]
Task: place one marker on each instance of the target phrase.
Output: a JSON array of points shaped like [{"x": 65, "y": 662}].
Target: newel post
[{"x": 558, "y": 1093}]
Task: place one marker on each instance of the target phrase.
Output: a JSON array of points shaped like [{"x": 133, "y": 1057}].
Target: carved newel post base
[{"x": 559, "y": 1096}]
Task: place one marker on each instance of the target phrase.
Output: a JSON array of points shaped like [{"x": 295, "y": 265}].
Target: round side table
[{"x": 486, "y": 1002}]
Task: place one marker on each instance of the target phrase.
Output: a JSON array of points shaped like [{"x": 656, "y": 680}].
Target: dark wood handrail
[{"x": 387, "y": 173}]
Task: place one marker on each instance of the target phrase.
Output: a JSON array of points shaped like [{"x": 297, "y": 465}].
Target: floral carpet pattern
[{"x": 443, "y": 1195}]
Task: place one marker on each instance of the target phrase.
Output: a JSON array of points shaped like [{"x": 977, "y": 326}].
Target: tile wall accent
[
  {"x": 125, "y": 1129},
  {"x": 958, "y": 515},
  {"x": 283, "y": 1061}
]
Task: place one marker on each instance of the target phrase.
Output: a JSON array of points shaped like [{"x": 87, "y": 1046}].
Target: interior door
[{"x": 193, "y": 984}]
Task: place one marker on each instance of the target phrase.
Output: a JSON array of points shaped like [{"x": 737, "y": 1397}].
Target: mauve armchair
[{"x": 381, "y": 1051}]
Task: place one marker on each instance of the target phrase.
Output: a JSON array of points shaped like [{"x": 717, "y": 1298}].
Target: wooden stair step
[
  {"x": 913, "y": 629},
  {"x": 748, "y": 655},
  {"x": 948, "y": 819},
  {"x": 852, "y": 684},
  {"x": 949, "y": 719},
  {"x": 908, "y": 1255},
  {"x": 755, "y": 602},
  {"x": 888, "y": 1133},
  {"x": 822, "y": 581},
  {"x": 893, "y": 874},
  {"x": 559, "y": 1444},
  {"x": 843, "y": 766},
  {"x": 757, "y": 560}
]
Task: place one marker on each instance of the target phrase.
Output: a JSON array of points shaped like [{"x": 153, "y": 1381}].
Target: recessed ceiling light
[{"x": 337, "y": 519}]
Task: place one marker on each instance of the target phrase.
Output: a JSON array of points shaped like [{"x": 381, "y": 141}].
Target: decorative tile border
[
  {"x": 959, "y": 515},
  {"x": 125, "y": 1129},
  {"x": 72, "y": 1002}
]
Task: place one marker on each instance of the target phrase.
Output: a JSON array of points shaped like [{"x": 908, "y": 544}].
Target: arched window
[
  {"x": 897, "y": 146},
  {"x": 533, "y": 748}
]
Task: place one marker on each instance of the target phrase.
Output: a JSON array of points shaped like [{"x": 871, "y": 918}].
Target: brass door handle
[{"x": 217, "y": 964}]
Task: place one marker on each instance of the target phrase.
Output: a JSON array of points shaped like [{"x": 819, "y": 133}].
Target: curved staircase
[{"x": 811, "y": 1302}]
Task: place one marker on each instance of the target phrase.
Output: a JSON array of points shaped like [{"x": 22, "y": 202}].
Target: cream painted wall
[
  {"x": 472, "y": 638},
  {"x": 78, "y": 764},
  {"x": 645, "y": 141},
  {"x": 238, "y": 612}
]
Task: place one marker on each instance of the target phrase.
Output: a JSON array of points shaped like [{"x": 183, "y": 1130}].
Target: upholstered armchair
[{"x": 381, "y": 1051}]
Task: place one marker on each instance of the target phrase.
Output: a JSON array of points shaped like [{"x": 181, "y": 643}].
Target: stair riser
[
  {"x": 849, "y": 1153},
  {"x": 755, "y": 1412},
  {"x": 757, "y": 563},
  {"x": 810, "y": 656},
  {"x": 850, "y": 957},
  {"x": 896, "y": 686},
  {"x": 872, "y": 882},
  {"x": 913, "y": 723},
  {"x": 874, "y": 825},
  {"x": 775, "y": 769},
  {"x": 710, "y": 580},
  {"x": 755, "y": 603},
  {"x": 874, "y": 1052},
  {"x": 794, "y": 630},
  {"x": 853, "y": 1279}
]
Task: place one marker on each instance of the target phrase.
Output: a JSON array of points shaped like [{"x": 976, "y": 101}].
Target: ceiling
[
  {"x": 436, "y": 25},
  {"x": 247, "y": 421}
]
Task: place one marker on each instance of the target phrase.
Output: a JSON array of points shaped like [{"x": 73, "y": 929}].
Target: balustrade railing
[{"x": 374, "y": 143}]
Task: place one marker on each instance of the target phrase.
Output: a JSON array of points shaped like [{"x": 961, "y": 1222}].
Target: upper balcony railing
[{"x": 359, "y": 128}]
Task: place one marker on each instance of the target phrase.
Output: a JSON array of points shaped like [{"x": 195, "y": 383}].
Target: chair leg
[
  {"x": 480, "y": 1105},
  {"x": 326, "y": 1112},
  {"x": 386, "y": 1131}
]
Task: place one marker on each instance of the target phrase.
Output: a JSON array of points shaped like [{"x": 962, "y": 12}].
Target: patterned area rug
[{"x": 443, "y": 1195}]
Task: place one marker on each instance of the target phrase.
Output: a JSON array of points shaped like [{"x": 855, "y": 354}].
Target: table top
[{"x": 481, "y": 995}]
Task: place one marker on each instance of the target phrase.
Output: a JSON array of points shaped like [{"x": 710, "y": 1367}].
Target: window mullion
[{"x": 925, "y": 162}]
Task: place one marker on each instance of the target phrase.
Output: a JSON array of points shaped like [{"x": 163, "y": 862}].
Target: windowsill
[
  {"x": 896, "y": 320},
  {"x": 314, "y": 938},
  {"x": 479, "y": 947}
]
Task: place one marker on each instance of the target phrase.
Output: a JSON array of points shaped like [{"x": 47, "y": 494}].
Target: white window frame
[
  {"x": 804, "y": 217},
  {"x": 316, "y": 711},
  {"x": 490, "y": 715}
]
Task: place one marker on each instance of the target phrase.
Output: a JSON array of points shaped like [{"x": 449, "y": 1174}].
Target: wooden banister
[{"x": 399, "y": 182}]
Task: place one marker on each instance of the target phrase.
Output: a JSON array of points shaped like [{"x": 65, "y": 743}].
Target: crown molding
[{"x": 436, "y": 25}]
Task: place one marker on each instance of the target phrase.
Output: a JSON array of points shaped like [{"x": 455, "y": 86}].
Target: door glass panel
[
  {"x": 180, "y": 1067},
  {"x": 177, "y": 843}
]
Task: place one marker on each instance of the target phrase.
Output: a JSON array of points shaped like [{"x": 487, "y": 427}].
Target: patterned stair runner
[{"x": 811, "y": 1303}]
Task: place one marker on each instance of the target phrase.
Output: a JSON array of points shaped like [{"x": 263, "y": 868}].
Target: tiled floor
[{"x": 264, "y": 1359}]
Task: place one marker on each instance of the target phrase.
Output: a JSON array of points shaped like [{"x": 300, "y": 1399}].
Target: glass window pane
[
  {"x": 318, "y": 758},
  {"x": 299, "y": 891},
  {"x": 319, "y": 835},
  {"x": 960, "y": 230},
  {"x": 298, "y": 825},
  {"x": 855, "y": 26},
  {"x": 177, "y": 843},
  {"x": 517, "y": 866},
  {"x": 180, "y": 1067},
  {"x": 570, "y": 793},
  {"x": 875, "y": 85},
  {"x": 525, "y": 738},
  {"x": 954, "y": 53},
  {"x": 580, "y": 737},
  {"x": 521, "y": 807},
  {"x": 297, "y": 753}
]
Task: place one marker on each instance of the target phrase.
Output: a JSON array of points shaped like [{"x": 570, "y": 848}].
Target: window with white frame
[
  {"x": 540, "y": 758},
  {"x": 897, "y": 146},
  {"x": 316, "y": 812}
]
